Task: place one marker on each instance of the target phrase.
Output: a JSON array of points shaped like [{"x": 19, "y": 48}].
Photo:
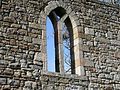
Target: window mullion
[{"x": 60, "y": 45}]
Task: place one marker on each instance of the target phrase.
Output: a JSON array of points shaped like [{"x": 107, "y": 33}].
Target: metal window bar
[{"x": 66, "y": 47}]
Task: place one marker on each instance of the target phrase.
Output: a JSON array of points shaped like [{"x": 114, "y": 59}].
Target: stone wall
[
  {"x": 22, "y": 27},
  {"x": 20, "y": 44}
]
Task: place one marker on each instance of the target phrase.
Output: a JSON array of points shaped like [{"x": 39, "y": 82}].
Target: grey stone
[
  {"x": 8, "y": 71},
  {"x": 17, "y": 73},
  {"x": 117, "y": 77},
  {"x": 9, "y": 19},
  {"x": 36, "y": 41},
  {"x": 37, "y": 56},
  {"x": 14, "y": 65},
  {"x": 28, "y": 85},
  {"x": 2, "y": 51},
  {"x": 34, "y": 85},
  {"x": 29, "y": 74},
  {"x": 27, "y": 39},
  {"x": 1, "y": 17},
  {"x": 89, "y": 63},
  {"x": 15, "y": 25},
  {"x": 3, "y": 81},
  {"x": 34, "y": 25},
  {"x": 7, "y": 87},
  {"x": 94, "y": 31},
  {"x": 102, "y": 75}
]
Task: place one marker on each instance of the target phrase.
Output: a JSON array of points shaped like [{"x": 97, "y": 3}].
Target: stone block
[
  {"x": 2, "y": 62},
  {"x": 9, "y": 19},
  {"x": 36, "y": 41},
  {"x": 36, "y": 31},
  {"x": 73, "y": 87},
  {"x": 2, "y": 51},
  {"x": 117, "y": 54},
  {"x": 102, "y": 40},
  {"x": 6, "y": 24},
  {"x": 84, "y": 47},
  {"x": 89, "y": 31},
  {"x": 37, "y": 56},
  {"x": 88, "y": 63},
  {"x": 15, "y": 25},
  {"x": 34, "y": 25},
  {"x": 34, "y": 85},
  {"x": 1, "y": 17},
  {"x": 23, "y": 65},
  {"x": 29, "y": 74},
  {"x": 27, "y": 39},
  {"x": 115, "y": 42},
  {"x": 109, "y": 34},
  {"x": 13, "y": 82},
  {"x": 23, "y": 61},
  {"x": 117, "y": 77},
  {"x": 3, "y": 81},
  {"x": 13, "y": 14},
  {"x": 28, "y": 84},
  {"x": 6, "y": 87},
  {"x": 20, "y": 9},
  {"x": 8, "y": 71},
  {"x": 117, "y": 87},
  {"x": 17, "y": 73},
  {"x": 102, "y": 75},
  {"x": 22, "y": 32},
  {"x": 15, "y": 66},
  {"x": 24, "y": 26},
  {"x": 10, "y": 58},
  {"x": 34, "y": 2}
]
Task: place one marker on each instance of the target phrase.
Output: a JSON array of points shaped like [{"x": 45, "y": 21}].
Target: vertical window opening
[
  {"x": 50, "y": 45},
  {"x": 60, "y": 53},
  {"x": 68, "y": 39},
  {"x": 66, "y": 49}
]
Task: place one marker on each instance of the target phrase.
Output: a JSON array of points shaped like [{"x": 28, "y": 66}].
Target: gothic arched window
[
  {"x": 66, "y": 53},
  {"x": 63, "y": 42}
]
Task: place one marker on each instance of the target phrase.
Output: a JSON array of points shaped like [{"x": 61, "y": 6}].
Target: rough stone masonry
[{"x": 96, "y": 31}]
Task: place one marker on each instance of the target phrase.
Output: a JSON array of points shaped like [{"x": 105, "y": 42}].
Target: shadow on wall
[
  {"x": 0, "y": 3},
  {"x": 109, "y": 88}
]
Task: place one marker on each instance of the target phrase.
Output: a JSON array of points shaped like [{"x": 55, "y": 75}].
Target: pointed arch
[{"x": 65, "y": 13}]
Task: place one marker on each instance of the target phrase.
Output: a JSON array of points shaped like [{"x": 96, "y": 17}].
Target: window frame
[{"x": 78, "y": 57}]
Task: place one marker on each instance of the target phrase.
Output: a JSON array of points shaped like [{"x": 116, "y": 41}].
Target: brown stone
[
  {"x": 9, "y": 19},
  {"x": 94, "y": 59},
  {"x": 34, "y": 25}
]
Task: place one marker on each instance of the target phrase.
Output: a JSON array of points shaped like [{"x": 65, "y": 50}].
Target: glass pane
[
  {"x": 66, "y": 49},
  {"x": 50, "y": 45}
]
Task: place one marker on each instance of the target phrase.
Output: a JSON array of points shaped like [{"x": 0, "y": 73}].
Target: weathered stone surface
[
  {"x": 3, "y": 81},
  {"x": 17, "y": 73},
  {"x": 9, "y": 19},
  {"x": 89, "y": 63},
  {"x": 34, "y": 25},
  {"x": 14, "y": 65},
  {"x": 117, "y": 54},
  {"x": 8, "y": 71},
  {"x": 6, "y": 87},
  {"x": 1, "y": 17},
  {"x": 15, "y": 25},
  {"x": 27, "y": 39},
  {"x": 36, "y": 41},
  {"x": 96, "y": 44}
]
